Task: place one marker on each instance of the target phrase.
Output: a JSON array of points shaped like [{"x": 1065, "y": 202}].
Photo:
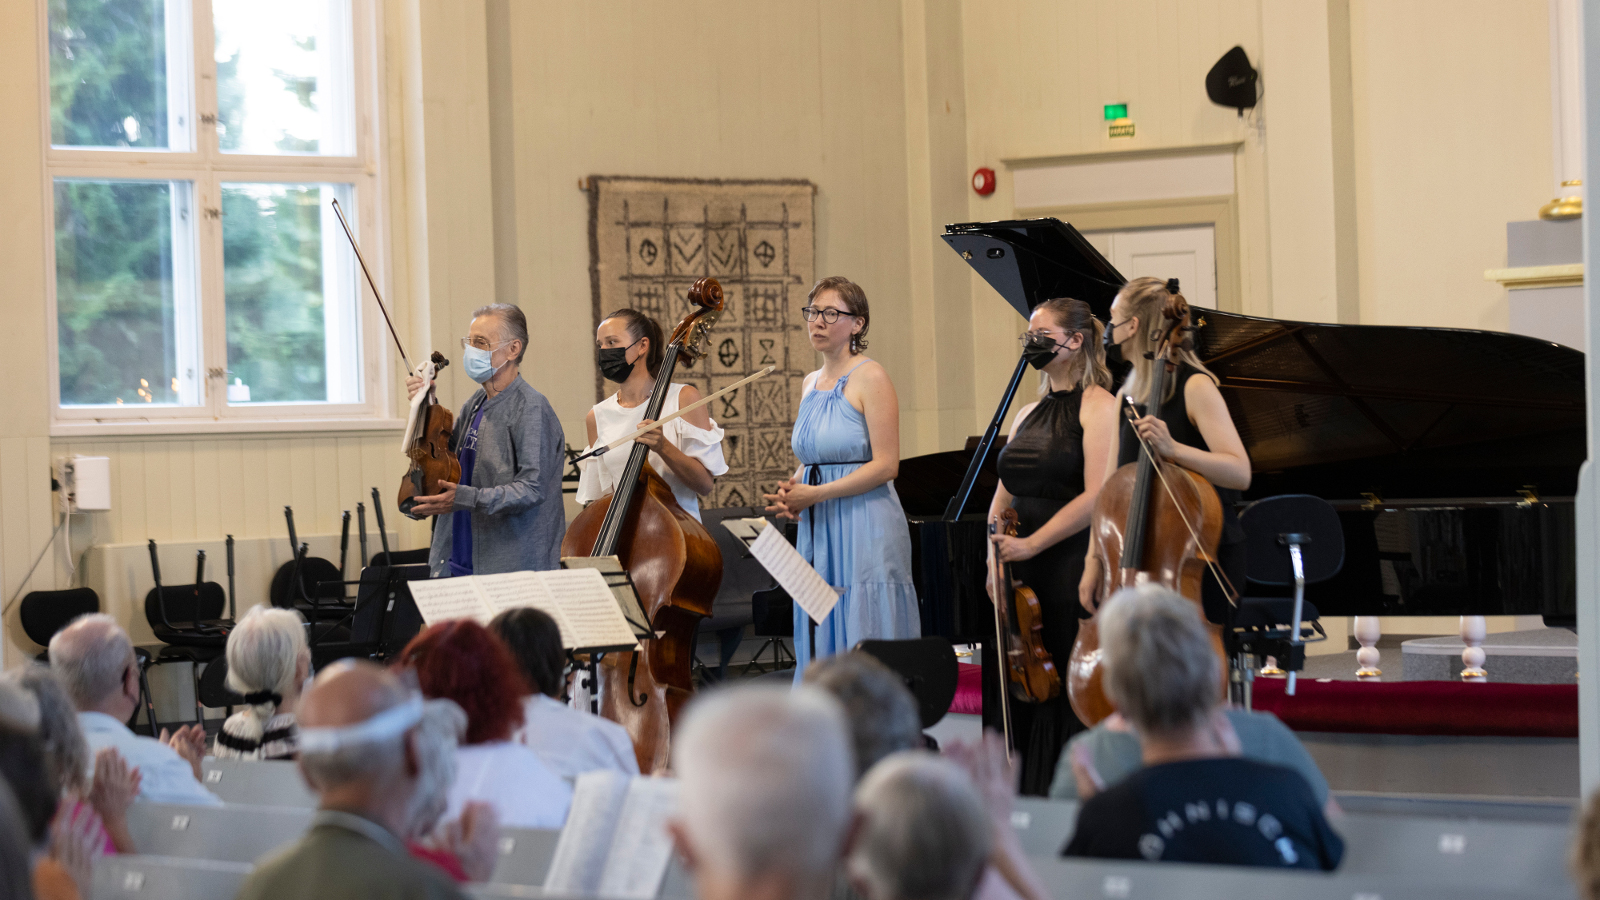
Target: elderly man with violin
[{"x": 505, "y": 515}]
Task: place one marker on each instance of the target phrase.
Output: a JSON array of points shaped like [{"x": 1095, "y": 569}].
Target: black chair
[
  {"x": 1292, "y": 540},
  {"x": 191, "y": 629},
  {"x": 742, "y": 577},
  {"x": 380, "y": 623},
  {"x": 43, "y": 613},
  {"x": 928, "y": 666}
]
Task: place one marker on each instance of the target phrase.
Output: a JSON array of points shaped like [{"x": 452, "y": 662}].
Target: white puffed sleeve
[
  {"x": 594, "y": 477},
  {"x": 702, "y": 444}
]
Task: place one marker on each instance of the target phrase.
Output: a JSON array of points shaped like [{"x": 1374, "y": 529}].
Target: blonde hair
[
  {"x": 1147, "y": 300},
  {"x": 1089, "y": 361}
]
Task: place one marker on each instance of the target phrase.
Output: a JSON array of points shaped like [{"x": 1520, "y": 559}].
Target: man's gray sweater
[{"x": 515, "y": 494}]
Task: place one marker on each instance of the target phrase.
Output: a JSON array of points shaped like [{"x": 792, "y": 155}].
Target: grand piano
[{"x": 1451, "y": 455}]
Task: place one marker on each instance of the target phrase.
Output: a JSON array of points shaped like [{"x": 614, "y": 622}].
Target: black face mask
[
  {"x": 1039, "y": 353},
  {"x": 1113, "y": 349},
  {"x": 613, "y": 363}
]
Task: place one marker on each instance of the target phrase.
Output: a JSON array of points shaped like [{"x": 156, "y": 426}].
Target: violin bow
[
  {"x": 600, "y": 451},
  {"x": 372, "y": 284}
]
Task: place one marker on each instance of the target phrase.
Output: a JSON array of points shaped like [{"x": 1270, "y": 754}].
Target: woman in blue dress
[{"x": 847, "y": 438}]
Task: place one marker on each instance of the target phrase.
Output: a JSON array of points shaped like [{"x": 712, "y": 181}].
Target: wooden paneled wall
[{"x": 190, "y": 488}]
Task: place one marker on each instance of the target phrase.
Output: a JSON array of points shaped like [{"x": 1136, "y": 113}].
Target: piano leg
[
  {"x": 1473, "y": 631},
  {"x": 1368, "y": 630}
]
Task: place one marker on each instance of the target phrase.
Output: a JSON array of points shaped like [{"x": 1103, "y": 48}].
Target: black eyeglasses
[{"x": 829, "y": 316}]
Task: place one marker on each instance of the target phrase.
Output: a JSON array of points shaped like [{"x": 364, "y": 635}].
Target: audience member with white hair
[
  {"x": 94, "y": 660},
  {"x": 268, "y": 661},
  {"x": 114, "y": 785},
  {"x": 1195, "y": 800},
  {"x": 924, "y": 834},
  {"x": 365, "y": 750},
  {"x": 764, "y": 801}
]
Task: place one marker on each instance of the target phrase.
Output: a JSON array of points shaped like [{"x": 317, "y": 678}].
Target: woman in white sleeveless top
[{"x": 686, "y": 452}]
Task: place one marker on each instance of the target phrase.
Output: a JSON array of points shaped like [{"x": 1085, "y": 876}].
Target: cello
[
  {"x": 1028, "y": 670},
  {"x": 1154, "y": 522},
  {"x": 429, "y": 425},
  {"x": 674, "y": 562}
]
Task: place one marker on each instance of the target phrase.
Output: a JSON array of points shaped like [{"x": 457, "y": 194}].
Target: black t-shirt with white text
[{"x": 1229, "y": 810}]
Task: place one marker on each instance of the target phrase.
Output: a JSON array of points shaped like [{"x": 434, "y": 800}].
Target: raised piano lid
[
  {"x": 1342, "y": 410},
  {"x": 1029, "y": 261}
]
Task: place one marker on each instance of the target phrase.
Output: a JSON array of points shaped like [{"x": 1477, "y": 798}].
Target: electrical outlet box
[{"x": 86, "y": 482}]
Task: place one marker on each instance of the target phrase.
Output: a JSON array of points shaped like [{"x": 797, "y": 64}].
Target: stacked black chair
[
  {"x": 1292, "y": 540},
  {"x": 188, "y": 620}
]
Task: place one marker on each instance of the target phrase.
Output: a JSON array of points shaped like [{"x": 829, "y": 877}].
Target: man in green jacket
[{"x": 363, "y": 752}]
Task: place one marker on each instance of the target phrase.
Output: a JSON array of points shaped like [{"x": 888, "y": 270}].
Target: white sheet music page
[
  {"x": 514, "y": 590},
  {"x": 589, "y": 606},
  {"x": 785, "y": 563},
  {"x": 641, "y": 847},
  {"x": 580, "y": 858},
  {"x": 439, "y": 599}
]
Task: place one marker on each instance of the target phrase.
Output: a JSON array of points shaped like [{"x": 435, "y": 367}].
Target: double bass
[
  {"x": 1027, "y": 668},
  {"x": 674, "y": 562},
  {"x": 1155, "y": 522},
  {"x": 430, "y": 424}
]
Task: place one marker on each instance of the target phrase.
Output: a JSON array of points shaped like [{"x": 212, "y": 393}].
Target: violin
[
  {"x": 1029, "y": 670},
  {"x": 1155, "y": 522},
  {"x": 674, "y": 562},
  {"x": 430, "y": 426}
]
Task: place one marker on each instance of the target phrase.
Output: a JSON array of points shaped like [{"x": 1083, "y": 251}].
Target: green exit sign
[{"x": 1116, "y": 111}]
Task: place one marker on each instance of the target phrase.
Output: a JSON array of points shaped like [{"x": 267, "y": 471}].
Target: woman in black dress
[
  {"x": 1194, "y": 430},
  {"x": 1058, "y": 446}
]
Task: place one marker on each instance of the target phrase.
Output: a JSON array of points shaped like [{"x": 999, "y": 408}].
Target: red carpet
[
  {"x": 1423, "y": 707},
  {"x": 969, "y": 690}
]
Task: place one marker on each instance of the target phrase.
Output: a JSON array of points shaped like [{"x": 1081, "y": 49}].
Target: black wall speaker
[{"x": 1232, "y": 81}]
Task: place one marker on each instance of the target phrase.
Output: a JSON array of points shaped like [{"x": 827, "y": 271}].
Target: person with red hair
[{"x": 461, "y": 660}]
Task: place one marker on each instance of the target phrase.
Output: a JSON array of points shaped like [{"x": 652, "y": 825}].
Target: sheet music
[
  {"x": 582, "y": 850},
  {"x": 514, "y": 590},
  {"x": 590, "y": 608},
  {"x": 796, "y": 576},
  {"x": 746, "y": 530},
  {"x": 439, "y": 599},
  {"x": 641, "y": 847}
]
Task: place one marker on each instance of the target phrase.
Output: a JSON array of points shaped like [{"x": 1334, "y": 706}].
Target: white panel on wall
[
  {"x": 1187, "y": 254},
  {"x": 1124, "y": 180}
]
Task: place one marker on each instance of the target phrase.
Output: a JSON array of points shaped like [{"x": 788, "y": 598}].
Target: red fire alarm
[{"x": 983, "y": 181}]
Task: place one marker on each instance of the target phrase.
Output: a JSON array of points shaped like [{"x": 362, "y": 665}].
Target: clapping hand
[
  {"x": 474, "y": 839},
  {"x": 189, "y": 742},
  {"x": 115, "y": 787}
]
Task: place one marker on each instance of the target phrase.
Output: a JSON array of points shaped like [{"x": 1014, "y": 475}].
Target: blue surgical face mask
[{"x": 479, "y": 364}]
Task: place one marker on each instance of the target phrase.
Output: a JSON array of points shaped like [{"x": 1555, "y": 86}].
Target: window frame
[{"x": 207, "y": 168}]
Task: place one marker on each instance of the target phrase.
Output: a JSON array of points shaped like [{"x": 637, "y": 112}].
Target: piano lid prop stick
[{"x": 599, "y": 451}]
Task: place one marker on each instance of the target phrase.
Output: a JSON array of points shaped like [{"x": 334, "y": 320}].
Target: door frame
[{"x": 1220, "y": 212}]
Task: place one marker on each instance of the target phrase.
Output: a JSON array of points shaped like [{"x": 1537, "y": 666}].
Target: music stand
[{"x": 627, "y": 597}]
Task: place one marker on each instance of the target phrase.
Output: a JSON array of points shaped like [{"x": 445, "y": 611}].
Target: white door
[{"x": 1188, "y": 254}]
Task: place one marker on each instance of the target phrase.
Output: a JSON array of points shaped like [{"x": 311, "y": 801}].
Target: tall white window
[{"x": 200, "y": 275}]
